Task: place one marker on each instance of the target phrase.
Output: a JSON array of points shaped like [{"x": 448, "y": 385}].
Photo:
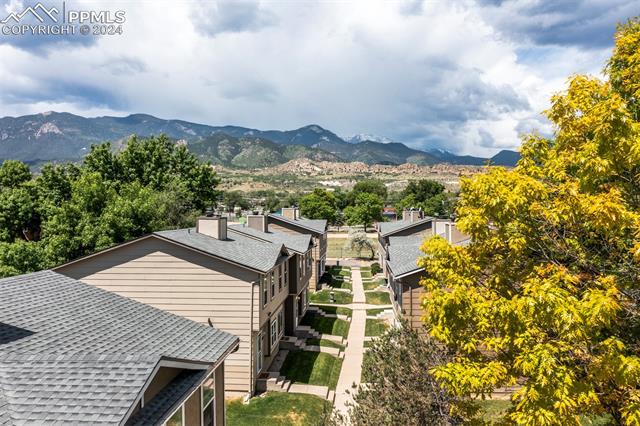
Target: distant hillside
[
  {"x": 57, "y": 136},
  {"x": 251, "y": 152},
  {"x": 505, "y": 158}
]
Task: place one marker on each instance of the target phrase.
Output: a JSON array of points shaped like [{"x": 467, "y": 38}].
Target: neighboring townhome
[
  {"x": 210, "y": 274},
  {"x": 413, "y": 223},
  {"x": 290, "y": 222},
  {"x": 300, "y": 265},
  {"x": 404, "y": 274},
  {"x": 74, "y": 354}
]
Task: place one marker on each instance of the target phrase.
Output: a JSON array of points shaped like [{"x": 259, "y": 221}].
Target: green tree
[
  {"x": 231, "y": 199},
  {"x": 320, "y": 204},
  {"x": 367, "y": 186},
  {"x": 13, "y": 173},
  {"x": 399, "y": 389},
  {"x": 428, "y": 195},
  {"x": 546, "y": 293},
  {"x": 358, "y": 241},
  {"x": 367, "y": 209}
]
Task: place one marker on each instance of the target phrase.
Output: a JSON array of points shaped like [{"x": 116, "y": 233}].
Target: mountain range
[{"x": 55, "y": 136}]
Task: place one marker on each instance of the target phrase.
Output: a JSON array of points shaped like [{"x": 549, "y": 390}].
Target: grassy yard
[
  {"x": 372, "y": 285},
  {"x": 278, "y": 409},
  {"x": 326, "y": 343},
  {"x": 324, "y": 325},
  {"x": 365, "y": 274},
  {"x": 338, "y": 282},
  {"x": 336, "y": 310},
  {"x": 376, "y": 311},
  {"x": 336, "y": 248},
  {"x": 314, "y": 368},
  {"x": 375, "y": 327},
  {"x": 377, "y": 298},
  {"x": 323, "y": 296}
]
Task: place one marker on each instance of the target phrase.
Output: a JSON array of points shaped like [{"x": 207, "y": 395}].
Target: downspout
[{"x": 251, "y": 357}]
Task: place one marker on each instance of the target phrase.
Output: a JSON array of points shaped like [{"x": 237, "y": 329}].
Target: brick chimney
[
  {"x": 212, "y": 225},
  {"x": 292, "y": 213},
  {"x": 412, "y": 215},
  {"x": 258, "y": 222}
]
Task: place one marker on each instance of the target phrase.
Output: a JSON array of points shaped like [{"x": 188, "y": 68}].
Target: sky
[{"x": 467, "y": 76}]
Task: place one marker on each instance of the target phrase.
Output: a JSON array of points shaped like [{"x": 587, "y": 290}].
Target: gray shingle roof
[
  {"x": 388, "y": 228},
  {"x": 237, "y": 248},
  {"x": 164, "y": 403},
  {"x": 404, "y": 253},
  {"x": 318, "y": 226},
  {"x": 72, "y": 353},
  {"x": 297, "y": 242}
]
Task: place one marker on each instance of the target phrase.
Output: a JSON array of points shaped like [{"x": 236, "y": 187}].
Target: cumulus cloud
[{"x": 454, "y": 75}]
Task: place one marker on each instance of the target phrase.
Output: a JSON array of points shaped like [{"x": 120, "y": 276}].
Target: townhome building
[
  {"x": 400, "y": 244},
  {"x": 290, "y": 222},
  {"x": 71, "y": 353},
  {"x": 300, "y": 248},
  {"x": 212, "y": 274}
]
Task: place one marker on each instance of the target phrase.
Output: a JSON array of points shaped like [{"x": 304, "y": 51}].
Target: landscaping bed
[
  {"x": 324, "y": 325},
  {"x": 323, "y": 296},
  {"x": 375, "y": 327},
  {"x": 336, "y": 282},
  {"x": 365, "y": 274},
  {"x": 377, "y": 298},
  {"x": 313, "y": 368},
  {"x": 277, "y": 408}
]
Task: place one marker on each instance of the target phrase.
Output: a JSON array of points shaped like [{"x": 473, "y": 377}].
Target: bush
[{"x": 375, "y": 268}]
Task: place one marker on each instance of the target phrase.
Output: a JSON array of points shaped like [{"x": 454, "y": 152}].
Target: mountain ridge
[{"x": 62, "y": 136}]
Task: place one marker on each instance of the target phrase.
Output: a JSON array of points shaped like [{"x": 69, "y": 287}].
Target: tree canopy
[
  {"x": 366, "y": 210},
  {"x": 320, "y": 204},
  {"x": 428, "y": 195},
  {"x": 546, "y": 294},
  {"x": 68, "y": 211},
  {"x": 368, "y": 186}
]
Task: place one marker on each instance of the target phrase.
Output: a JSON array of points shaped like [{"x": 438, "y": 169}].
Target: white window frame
[
  {"x": 281, "y": 276},
  {"x": 281, "y": 323},
  {"x": 259, "y": 353},
  {"x": 286, "y": 274},
  {"x": 182, "y": 410},
  {"x": 213, "y": 400},
  {"x": 264, "y": 290},
  {"x": 273, "y": 333},
  {"x": 272, "y": 283}
]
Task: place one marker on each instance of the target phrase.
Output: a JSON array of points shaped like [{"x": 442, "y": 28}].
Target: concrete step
[
  {"x": 331, "y": 396},
  {"x": 324, "y": 349},
  {"x": 321, "y": 391}
]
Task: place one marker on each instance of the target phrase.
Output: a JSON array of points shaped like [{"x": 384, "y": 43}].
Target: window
[
  {"x": 281, "y": 276},
  {"x": 304, "y": 300},
  {"x": 301, "y": 264},
  {"x": 286, "y": 274},
  {"x": 273, "y": 283},
  {"x": 265, "y": 290},
  {"x": 177, "y": 418},
  {"x": 259, "y": 353},
  {"x": 308, "y": 259},
  {"x": 281, "y": 322},
  {"x": 208, "y": 401},
  {"x": 274, "y": 334}
]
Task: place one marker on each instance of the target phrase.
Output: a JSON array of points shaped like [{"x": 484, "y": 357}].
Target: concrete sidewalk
[{"x": 352, "y": 363}]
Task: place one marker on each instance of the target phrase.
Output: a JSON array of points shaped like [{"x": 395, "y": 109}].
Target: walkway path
[{"x": 352, "y": 363}]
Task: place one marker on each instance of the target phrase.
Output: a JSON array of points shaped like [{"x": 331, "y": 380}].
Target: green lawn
[
  {"x": 313, "y": 368},
  {"x": 377, "y": 298},
  {"x": 337, "y": 282},
  {"x": 375, "y": 327},
  {"x": 326, "y": 343},
  {"x": 278, "y": 409},
  {"x": 365, "y": 274},
  {"x": 323, "y": 296},
  {"x": 372, "y": 285},
  {"x": 336, "y": 310},
  {"x": 376, "y": 311},
  {"x": 324, "y": 325},
  {"x": 336, "y": 248}
]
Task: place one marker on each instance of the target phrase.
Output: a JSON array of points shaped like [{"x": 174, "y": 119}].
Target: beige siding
[
  {"x": 412, "y": 293},
  {"x": 185, "y": 283}
]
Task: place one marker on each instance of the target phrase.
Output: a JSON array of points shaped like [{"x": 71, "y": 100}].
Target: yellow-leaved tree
[{"x": 546, "y": 295}]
